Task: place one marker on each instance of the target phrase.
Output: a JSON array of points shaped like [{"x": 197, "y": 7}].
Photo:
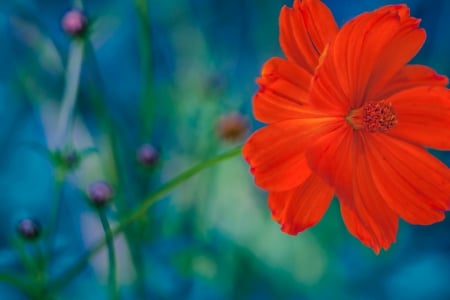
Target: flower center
[{"x": 373, "y": 116}]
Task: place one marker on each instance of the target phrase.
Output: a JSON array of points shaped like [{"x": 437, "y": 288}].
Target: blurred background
[{"x": 164, "y": 85}]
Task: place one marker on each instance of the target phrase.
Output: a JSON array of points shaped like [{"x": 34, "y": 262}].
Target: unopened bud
[
  {"x": 147, "y": 155},
  {"x": 100, "y": 193},
  {"x": 67, "y": 158},
  {"x": 74, "y": 22},
  {"x": 29, "y": 229},
  {"x": 232, "y": 127}
]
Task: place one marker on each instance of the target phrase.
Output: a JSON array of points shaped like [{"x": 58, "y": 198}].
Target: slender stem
[
  {"x": 70, "y": 91},
  {"x": 117, "y": 170},
  {"x": 54, "y": 213},
  {"x": 14, "y": 280},
  {"x": 169, "y": 186},
  {"x": 146, "y": 119},
  {"x": 35, "y": 266},
  {"x": 139, "y": 212},
  {"x": 112, "y": 275},
  {"x": 27, "y": 260},
  {"x": 41, "y": 275},
  {"x": 145, "y": 47}
]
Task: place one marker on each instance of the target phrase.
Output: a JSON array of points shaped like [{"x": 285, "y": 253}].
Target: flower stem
[
  {"x": 72, "y": 80},
  {"x": 169, "y": 186},
  {"x": 139, "y": 212},
  {"x": 41, "y": 276},
  {"x": 109, "y": 238},
  {"x": 145, "y": 49},
  {"x": 14, "y": 280},
  {"x": 54, "y": 214}
]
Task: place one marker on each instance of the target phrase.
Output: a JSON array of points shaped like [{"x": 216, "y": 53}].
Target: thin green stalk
[
  {"x": 36, "y": 270},
  {"x": 54, "y": 213},
  {"x": 109, "y": 238},
  {"x": 117, "y": 169},
  {"x": 145, "y": 49},
  {"x": 72, "y": 80},
  {"x": 139, "y": 212},
  {"x": 41, "y": 275},
  {"x": 26, "y": 259},
  {"x": 169, "y": 186},
  {"x": 15, "y": 281}
]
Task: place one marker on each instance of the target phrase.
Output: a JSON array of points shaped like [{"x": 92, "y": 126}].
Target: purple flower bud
[
  {"x": 100, "y": 193},
  {"x": 29, "y": 229},
  {"x": 74, "y": 22},
  {"x": 147, "y": 155}
]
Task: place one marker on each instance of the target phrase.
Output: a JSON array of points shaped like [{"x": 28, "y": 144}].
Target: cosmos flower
[{"x": 347, "y": 116}]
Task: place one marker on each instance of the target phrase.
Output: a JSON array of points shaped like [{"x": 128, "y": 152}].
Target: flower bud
[
  {"x": 67, "y": 158},
  {"x": 232, "y": 127},
  {"x": 29, "y": 229},
  {"x": 100, "y": 193},
  {"x": 147, "y": 155},
  {"x": 74, "y": 22}
]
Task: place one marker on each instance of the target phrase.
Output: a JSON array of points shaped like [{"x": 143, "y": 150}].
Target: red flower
[{"x": 346, "y": 115}]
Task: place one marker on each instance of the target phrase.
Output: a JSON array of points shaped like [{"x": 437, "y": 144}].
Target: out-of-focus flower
[
  {"x": 346, "y": 115},
  {"x": 100, "y": 193},
  {"x": 147, "y": 155},
  {"x": 74, "y": 22},
  {"x": 29, "y": 229},
  {"x": 232, "y": 127}
]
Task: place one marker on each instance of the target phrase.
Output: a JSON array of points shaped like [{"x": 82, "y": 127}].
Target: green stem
[
  {"x": 116, "y": 168},
  {"x": 139, "y": 212},
  {"x": 166, "y": 188},
  {"x": 145, "y": 47},
  {"x": 109, "y": 238},
  {"x": 27, "y": 260},
  {"x": 146, "y": 116},
  {"x": 41, "y": 275},
  {"x": 15, "y": 281},
  {"x": 55, "y": 209},
  {"x": 72, "y": 80}
]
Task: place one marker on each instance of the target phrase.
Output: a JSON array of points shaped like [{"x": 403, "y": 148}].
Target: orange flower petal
[
  {"x": 423, "y": 115},
  {"x": 355, "y": 225},
  {"x": 398, "y": 51},
  {"x": 408, "y": 77},
  {"x": 329, "y": 156},
  {"x": 319, "y": 22},
  {"x": 338, "y": 158},
  {"x": 414, "y": 184},
  {"x": 301, "y": 207},
  {"x": 402, "y": 10},
  {"x": 285, "y": 79},
  {"x": 369, "y": 203},
  {"x": 276, "y": 153},
  {"x": 304, "y": 30},
  {"x": 283, "y": 93},
  {"x": 270, "y": 108},
  {"x": 327, "y": 94},
  {"x": 367, "y": 52}
]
